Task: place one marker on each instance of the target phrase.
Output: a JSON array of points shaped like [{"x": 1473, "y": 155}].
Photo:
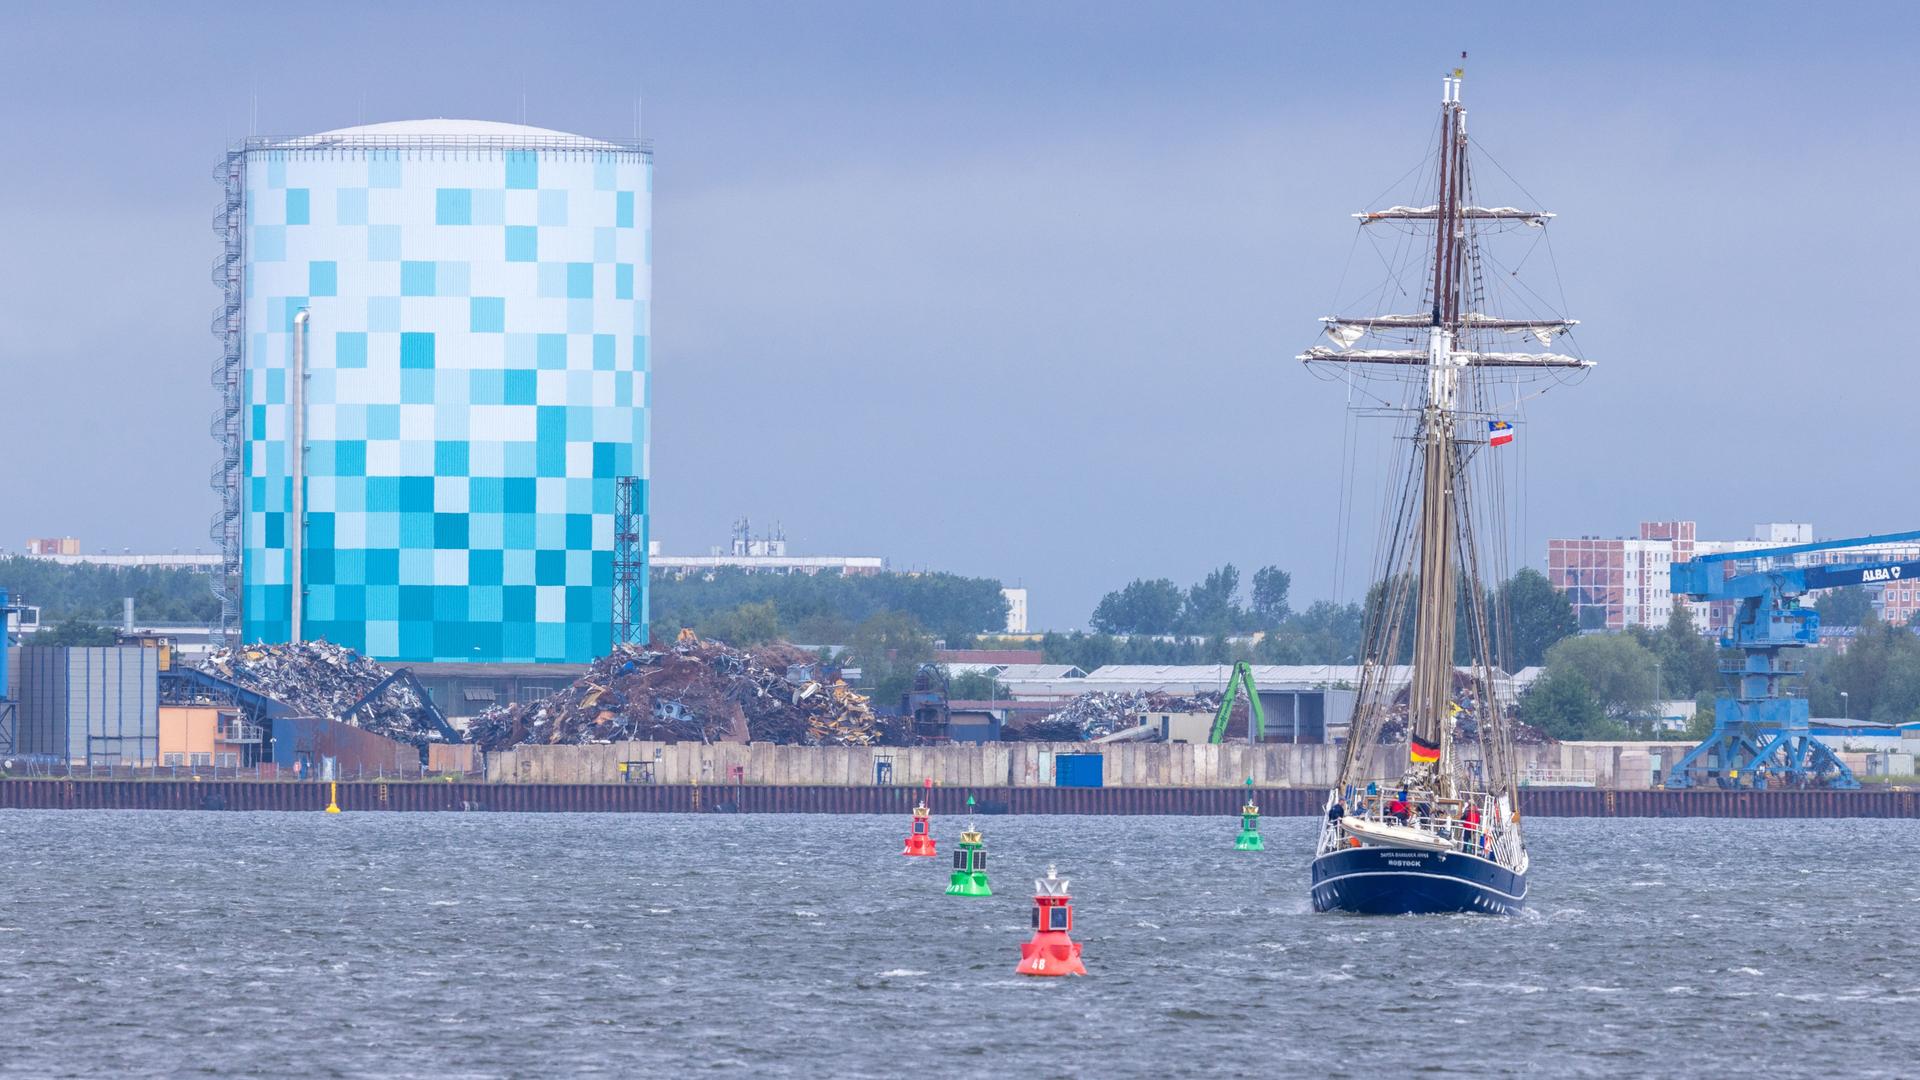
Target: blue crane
[{"x": 1760, "y": 732}]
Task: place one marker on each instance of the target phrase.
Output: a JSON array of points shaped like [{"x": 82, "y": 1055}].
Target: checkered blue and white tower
[{"x": 452, "y": 317}]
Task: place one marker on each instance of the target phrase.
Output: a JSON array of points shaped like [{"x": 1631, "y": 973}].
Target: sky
[{"x": 1015, "y": 289}]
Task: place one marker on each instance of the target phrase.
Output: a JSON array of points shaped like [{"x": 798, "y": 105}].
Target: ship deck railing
[{"x": 1487, "y": 839}]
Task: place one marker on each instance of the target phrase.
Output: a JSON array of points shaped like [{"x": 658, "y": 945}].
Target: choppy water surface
[{"x": 525, "y": 945}]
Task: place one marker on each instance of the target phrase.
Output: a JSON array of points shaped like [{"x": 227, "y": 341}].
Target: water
[{"x": 547, "y": 945}]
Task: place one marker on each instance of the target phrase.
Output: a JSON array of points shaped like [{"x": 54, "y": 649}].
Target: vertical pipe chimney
[
  {"x": 126, "y": 614},
  {"x": 297, "y": 474}
]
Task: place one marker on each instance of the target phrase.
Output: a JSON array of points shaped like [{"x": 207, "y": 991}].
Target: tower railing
[
  {"x": 629, "y": 563},
  {"x": 228, "y": 378}
]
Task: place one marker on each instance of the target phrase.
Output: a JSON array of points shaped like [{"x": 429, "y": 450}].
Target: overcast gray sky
[{"x": 1013, "y": 289}]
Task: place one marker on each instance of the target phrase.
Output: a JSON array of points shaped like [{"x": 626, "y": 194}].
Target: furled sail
[
  {"x": 1420, "y": 358},
  {"x": 1535, "y": 218}
]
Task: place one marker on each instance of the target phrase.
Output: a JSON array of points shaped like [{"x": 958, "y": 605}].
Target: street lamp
[{"x": 1846, "y": 707}]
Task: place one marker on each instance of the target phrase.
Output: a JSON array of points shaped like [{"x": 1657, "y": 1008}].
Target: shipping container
[{"x": 91, "y": 706}]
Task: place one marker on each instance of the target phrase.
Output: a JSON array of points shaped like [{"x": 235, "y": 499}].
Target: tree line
[
  {"x": 1608, "y": 686},
  {"x": 746, "y": 609},
  {"x": 90, "y": 594},
  {"x": 1154, "y": 621}
]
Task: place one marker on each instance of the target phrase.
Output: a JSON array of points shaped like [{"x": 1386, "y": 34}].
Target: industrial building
[
  {"x": 434, "y": 417},
  {"x": 89, "y": 705},
  {"x": 763, "y": 554},
  {"x": 1617, "y": 582}
]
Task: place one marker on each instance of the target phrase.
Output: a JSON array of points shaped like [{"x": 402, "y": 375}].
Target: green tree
[
  {"x": 1325, "y": 633},
  {"x": 1539, "y": 615},
  {"x": 976, "y": 686},
  {"x": 748, "y": 624},
  {"x": 1701, "y": 725},
  {"x": 1879, "y": 671},
  {"x": 1211, "y": 605},
  {"x": 74, "y": 630},
  {"x": 160, "y": 595},
  {"x": 1689, "y": 662},
  {"x": 1142, "y": 607},
  {"x": 1562, "y": 704},
  {"x": 951, "y": 606},
  {"x": 1850, "y": 605},
  {"x": 1090, "y": 651},
  {"x": 1270, "y": 587},
  {"x": 1618, "y": 671},
  {"x": 889, "y": 648}
]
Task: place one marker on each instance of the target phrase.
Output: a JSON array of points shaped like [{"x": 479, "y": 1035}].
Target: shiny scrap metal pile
[
  {"x": 694, "y": 691},
  {"x": 318, "y": 678},
  {"x": 1102, "y": 712}
]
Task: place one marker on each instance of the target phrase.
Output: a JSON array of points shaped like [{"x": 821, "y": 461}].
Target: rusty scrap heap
[
  {"x": 317, "y": 678},
  {"x": 696, "y": 690}
]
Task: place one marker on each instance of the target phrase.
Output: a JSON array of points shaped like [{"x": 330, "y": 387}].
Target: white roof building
[{"x": 1186, "y": 679}]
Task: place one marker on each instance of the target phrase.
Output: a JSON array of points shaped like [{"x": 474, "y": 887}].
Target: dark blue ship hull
[{"x": 1400, "y": 881}]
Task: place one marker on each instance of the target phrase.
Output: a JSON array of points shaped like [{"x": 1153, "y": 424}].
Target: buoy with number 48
[{"x": 1052, "y": 951}]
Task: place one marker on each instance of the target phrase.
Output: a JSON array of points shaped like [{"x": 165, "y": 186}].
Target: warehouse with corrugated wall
[{"x": 91, "y": 706}]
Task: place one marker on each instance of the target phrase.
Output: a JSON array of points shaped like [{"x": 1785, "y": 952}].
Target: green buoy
[
  {"x": 970, "y": 864},
  {"x": 1249, "y": 838}
]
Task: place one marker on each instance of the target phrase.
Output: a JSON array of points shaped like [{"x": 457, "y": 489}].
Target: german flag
[{"x": 1421, "y": 750}]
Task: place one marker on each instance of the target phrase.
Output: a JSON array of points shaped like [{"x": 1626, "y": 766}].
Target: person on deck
[
  {"x": 1398, "y": 808},
  {"x": 1336, "y": 812},
  {"x": 1470, "y": 821}
]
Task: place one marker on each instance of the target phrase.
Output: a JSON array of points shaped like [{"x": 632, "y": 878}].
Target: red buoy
[
  {"x": 920, "y": 841},
  {"x": 1051, "y": 952}
]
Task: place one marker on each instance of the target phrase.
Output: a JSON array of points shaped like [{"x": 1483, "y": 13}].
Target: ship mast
[{"x": 1430, "y": 695}]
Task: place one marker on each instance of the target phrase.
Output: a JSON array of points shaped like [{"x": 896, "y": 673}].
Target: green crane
[{"x": 1257, "y": 727}]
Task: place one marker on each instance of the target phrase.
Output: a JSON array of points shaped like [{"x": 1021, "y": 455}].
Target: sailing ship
[{"x": 1436, "y": 827}]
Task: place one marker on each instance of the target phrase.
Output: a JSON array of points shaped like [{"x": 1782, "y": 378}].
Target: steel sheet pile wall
[
  {"x": 1223, "y": 802},
  {"x": 95, "y": 706}
]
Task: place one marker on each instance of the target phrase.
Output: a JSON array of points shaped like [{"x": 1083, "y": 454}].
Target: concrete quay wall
[{"x": 1019, "y": 765}]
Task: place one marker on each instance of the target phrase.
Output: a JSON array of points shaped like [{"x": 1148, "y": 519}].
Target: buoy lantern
[
  {"x": 920, "y": 841},
  {"x": 1249, "y": 838},
  {"x": 970, "y": 867},
  {"x": 333, "y": 798},
  {"x": 1052, "y": 951}
]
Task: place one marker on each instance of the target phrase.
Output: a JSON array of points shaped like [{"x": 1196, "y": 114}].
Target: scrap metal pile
[
  {"x": 1466, "y": 729},
  {"x": 695, "y": 691},
  {"x": 1100, "y": 713},
  {"x": 316, "y": 678}
]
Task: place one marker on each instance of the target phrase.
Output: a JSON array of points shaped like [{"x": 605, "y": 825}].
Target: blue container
[{"x": 1077, "y": 770}]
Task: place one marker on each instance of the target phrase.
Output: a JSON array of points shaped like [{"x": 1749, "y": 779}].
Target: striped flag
[
  {"x": 1499, "y": 432},
  {"x": 1421, "y": 750}
]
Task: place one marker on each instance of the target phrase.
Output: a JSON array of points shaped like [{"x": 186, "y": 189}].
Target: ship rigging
[{"x": 1433, "y": 824}]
